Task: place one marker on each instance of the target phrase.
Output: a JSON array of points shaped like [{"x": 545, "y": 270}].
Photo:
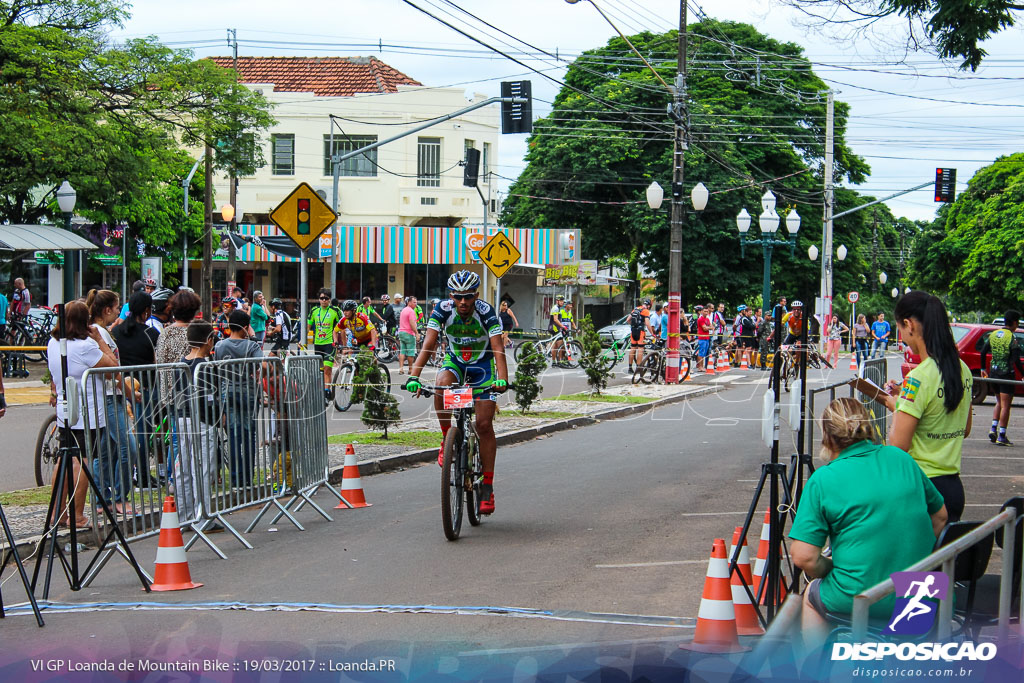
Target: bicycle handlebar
[{"x": 433, "y": 389}]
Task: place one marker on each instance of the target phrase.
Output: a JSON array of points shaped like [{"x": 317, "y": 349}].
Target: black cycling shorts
[{"x": 999, "y": 387}]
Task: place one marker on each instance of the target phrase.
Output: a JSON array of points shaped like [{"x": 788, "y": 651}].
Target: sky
[{"x": 906, "y": 118}]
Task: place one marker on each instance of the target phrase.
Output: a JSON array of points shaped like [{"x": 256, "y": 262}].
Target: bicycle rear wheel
[
  {"x": 475, "y": 476},
  {"x": 387, "y": 349},
  {"x": 47, "y": 451},
  {"x": 684, "y": 367},
  {"x": 573, "y": 353},
  {"x": 649, "y": 369},
  {"x": 451, "y": 485},
  {"x": 341, "y": 381},
  {"x": 385, "y": 377}
]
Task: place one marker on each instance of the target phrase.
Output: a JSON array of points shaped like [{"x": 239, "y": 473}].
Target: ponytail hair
[
  {"x": 98, "y": 301},
  {"x": 138, "y": 304},
  {"x": 929, "y": 311}
]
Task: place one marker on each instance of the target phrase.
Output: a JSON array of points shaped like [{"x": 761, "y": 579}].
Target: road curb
[{"x": 390, "y": 463}]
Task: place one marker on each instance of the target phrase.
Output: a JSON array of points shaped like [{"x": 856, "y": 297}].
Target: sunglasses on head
[{"x": 463, "y": 297}]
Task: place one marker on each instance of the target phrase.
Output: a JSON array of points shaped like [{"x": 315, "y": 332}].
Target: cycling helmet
[
  {"x": 349, "y": 305},
  {"x": 276, "y": 302},
  {"x": 647, "y": 302},
  {"x": 798, "y": 304},
  {"x": 559, "y": 297},
  {"x": 434, "y": 302},
  {"x": 741, "y": 308},
  {"x": 225, "y": 300},
  {"x": 161, "y": 294},
  {"x": 464, "y": 281},
  {"x": 384, "y": 298},
  {"x": 150, "y": 282}
]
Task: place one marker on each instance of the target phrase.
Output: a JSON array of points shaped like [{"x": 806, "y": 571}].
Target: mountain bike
[
  {"x": 652, "y": 368},
  {"x": 573, "y": 349},
  {"x": 47, "y": 450},
  {"x": 462, "y": 472},
  {"x": 610, "y": 357},
  {"x": 29, "y": 331},
  {"x": 789, "y": 356},
  {"x": 387, "y": 348},
  {"x": 344, "y": 374}
]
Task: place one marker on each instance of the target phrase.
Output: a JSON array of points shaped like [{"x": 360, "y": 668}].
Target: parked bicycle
[
  {"x": 344, "y": 374},
  {"x": 652, "y": 368},
  {"x": 32, "y": 330},
  {"x": 572, "y": 348},
  {"x": 610, "y": 357}
]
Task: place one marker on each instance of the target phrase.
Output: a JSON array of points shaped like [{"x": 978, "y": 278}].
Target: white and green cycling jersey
[{"x": 469, "y": 340}]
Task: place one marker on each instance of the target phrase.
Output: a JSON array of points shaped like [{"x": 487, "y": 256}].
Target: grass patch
[
  {"x": 419, "y": 439},
  {"x": 36, "y": 496},
  {"x": 543, "y": 414},
  {"x": 603, "y": 398}
]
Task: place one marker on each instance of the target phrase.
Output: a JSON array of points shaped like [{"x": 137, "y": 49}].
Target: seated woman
[{"x": 874, "y": 505}]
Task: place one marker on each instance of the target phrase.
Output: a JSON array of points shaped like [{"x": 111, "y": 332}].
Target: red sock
[
  {"x": 489, "y": 478},
  {"x": 444, "y": 431}
]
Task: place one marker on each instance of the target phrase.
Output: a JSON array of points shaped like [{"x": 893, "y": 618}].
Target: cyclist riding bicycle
[
  {"x": 794, "y": 322},
  {"x": 322, "y": 320},
  {"x": 475, "y": 356},
  {"x": 358, "y": 325}
]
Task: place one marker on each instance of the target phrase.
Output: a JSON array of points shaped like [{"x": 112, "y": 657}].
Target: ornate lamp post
[{"x": 768, "y": 221}]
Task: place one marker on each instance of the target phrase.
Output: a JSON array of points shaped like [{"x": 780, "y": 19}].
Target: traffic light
[
  {"x": 472, "y": 170},
  {"x": 516, "y": 118},
  {"x": 302, "y": 224},
  {"x": 945, "y": 184}
]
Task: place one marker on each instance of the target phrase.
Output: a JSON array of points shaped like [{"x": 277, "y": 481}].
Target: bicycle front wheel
[
  {"x": 341, "y": 381},
  {"x": 650, "y": 369},
  {"x": 573, "y": 353},
  {"x": 684, "y": 367},
  {"x": 47, "y": 451},
  {"x": 474, "y": 477},
  {"x": 451, "y": 485}
]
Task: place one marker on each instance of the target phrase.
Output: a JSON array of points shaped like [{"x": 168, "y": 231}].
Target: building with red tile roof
[{"x": 322, "y": 76}]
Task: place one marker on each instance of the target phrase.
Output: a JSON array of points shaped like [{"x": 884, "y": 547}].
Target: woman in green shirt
[
  {"x": 932, "y": 411},
  {"x": 259, "y": 316}
]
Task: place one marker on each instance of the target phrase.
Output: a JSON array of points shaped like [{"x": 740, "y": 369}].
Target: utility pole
[
  {"x": 874, "y": 250},
  {"x": 232, "y": 179},
  {"x": 675, "y": 255},
  {"x": 826, "y": 230},
  {"x": 206, "y": 278}
]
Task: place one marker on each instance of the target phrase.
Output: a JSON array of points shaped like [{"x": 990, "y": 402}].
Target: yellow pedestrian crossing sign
[
  {"x": 499, "y": 254},
  {"x": 303, "y": 215}
]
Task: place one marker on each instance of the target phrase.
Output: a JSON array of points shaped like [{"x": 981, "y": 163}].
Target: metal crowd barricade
[
  {"x": 812, "y": 412},
  {"x": 130, "y": 415},
  {"x": 303, "y": 430},
  {"x": 946, "y": 557},
  {"x": 877, "y": 370}
]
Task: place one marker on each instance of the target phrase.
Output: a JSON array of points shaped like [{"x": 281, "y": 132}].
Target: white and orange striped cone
[
  {"x": 171, "y": 572},
  {"x": 743, "y": 362},
  {"x": 723, "y": 361},
  {"x": 686, "y": 366},
  {"x": 351, "y": 484},
  {"x": 709, "y": 365},
  {"x": 716, "y": 621},
  {"x": 853, "y": 362},
  {"x": 747, "y": 623},
  {"x": 761, "y": 563}
]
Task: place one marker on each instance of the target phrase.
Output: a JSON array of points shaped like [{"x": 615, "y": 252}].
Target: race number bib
[{"x": 457, "y": 398}]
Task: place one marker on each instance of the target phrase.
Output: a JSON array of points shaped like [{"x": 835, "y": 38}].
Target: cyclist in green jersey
[
  {"x": 1005, "y": 350},
  {"x": 322, "y": 321}
]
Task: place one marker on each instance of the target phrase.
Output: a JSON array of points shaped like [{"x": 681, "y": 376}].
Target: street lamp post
[
  {"x": 66, "y": 198},
  {"x": 812, "y": 252},
  {"x": 699, "y": 200},
  {"x": 768, "y": 221}
]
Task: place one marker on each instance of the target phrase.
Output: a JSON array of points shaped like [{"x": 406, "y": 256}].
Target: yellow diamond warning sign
[
  {"x": 499, "y": 254},
  {"x": 303, "y": 215}
]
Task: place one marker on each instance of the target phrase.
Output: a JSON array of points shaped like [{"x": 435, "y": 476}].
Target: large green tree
[
  {"x": 974, "y": 250},
  {"x": 111, "y": 119},
  {"x": 755, "y": 124},
  {"x": 954, "y": 29}
]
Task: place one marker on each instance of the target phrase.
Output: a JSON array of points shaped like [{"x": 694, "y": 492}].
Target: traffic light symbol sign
[{"x": 302, "y": 224}]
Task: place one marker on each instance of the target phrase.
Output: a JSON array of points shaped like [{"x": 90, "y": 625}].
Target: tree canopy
[
  {"x": 974, "y": 250},
  {"x": 757, "y": 122},
  {"x": 111, "y": 119},
  {"x": 955, "y": 29}
]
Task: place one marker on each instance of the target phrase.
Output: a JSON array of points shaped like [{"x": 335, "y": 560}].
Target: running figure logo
[{"x": 914, "y": 613}]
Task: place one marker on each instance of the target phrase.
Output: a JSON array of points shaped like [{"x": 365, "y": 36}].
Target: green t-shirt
[
  {"x": 874, "y": 505},
  {"x": 258, "y": 318},
  {"x": 939, "y": 437},
  {"x": 323, "y": 319}
]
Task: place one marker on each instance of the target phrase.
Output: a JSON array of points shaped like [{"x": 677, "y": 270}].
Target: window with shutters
[
  {"x": 485, "y": 162},
  {"x": 282, "y": 154},
  {"x": 362, "y": 165},
  {"x": 428, "y": 162}
]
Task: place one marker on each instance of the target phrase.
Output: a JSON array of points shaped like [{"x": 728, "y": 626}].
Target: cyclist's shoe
[
  {"x": 486, "y": 499},
  {"x": 440, "y": 456},
  {"x": 992, "y": 435},
  {"x": 1003, "y": 441}
]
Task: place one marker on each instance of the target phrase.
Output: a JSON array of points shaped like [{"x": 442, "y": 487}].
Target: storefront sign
[
  {"x": 561, "y": 275},
  {"x": 588, "y": 272}
]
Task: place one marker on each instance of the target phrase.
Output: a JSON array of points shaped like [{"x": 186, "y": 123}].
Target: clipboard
[{"x": 869, "y": 389}]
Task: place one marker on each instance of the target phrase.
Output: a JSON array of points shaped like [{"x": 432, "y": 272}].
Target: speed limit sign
[{"x": 852, "y": 297}]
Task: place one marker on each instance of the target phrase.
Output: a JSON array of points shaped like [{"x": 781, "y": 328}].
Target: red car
[{"x": 969, "y": 340}]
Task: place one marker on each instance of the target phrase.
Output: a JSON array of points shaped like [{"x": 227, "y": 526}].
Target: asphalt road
[{"x": 600, "y": 532}]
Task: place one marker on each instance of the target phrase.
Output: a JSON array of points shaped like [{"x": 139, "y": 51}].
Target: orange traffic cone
[
  {"x": 853, "y": 362},
  {"x": 746, "y": 615},
  {"x": 723, "y": 361},
  {"x": 716, "y": 621},
  {"x": 760, "y": 565},
  {"x": 743, "y": 362},
  {"x": 709, "y": 365},
  {"x": 351, "y": 484},
  {"x": 171, "y": 572},
  {"x": 686, "y": 366}
]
